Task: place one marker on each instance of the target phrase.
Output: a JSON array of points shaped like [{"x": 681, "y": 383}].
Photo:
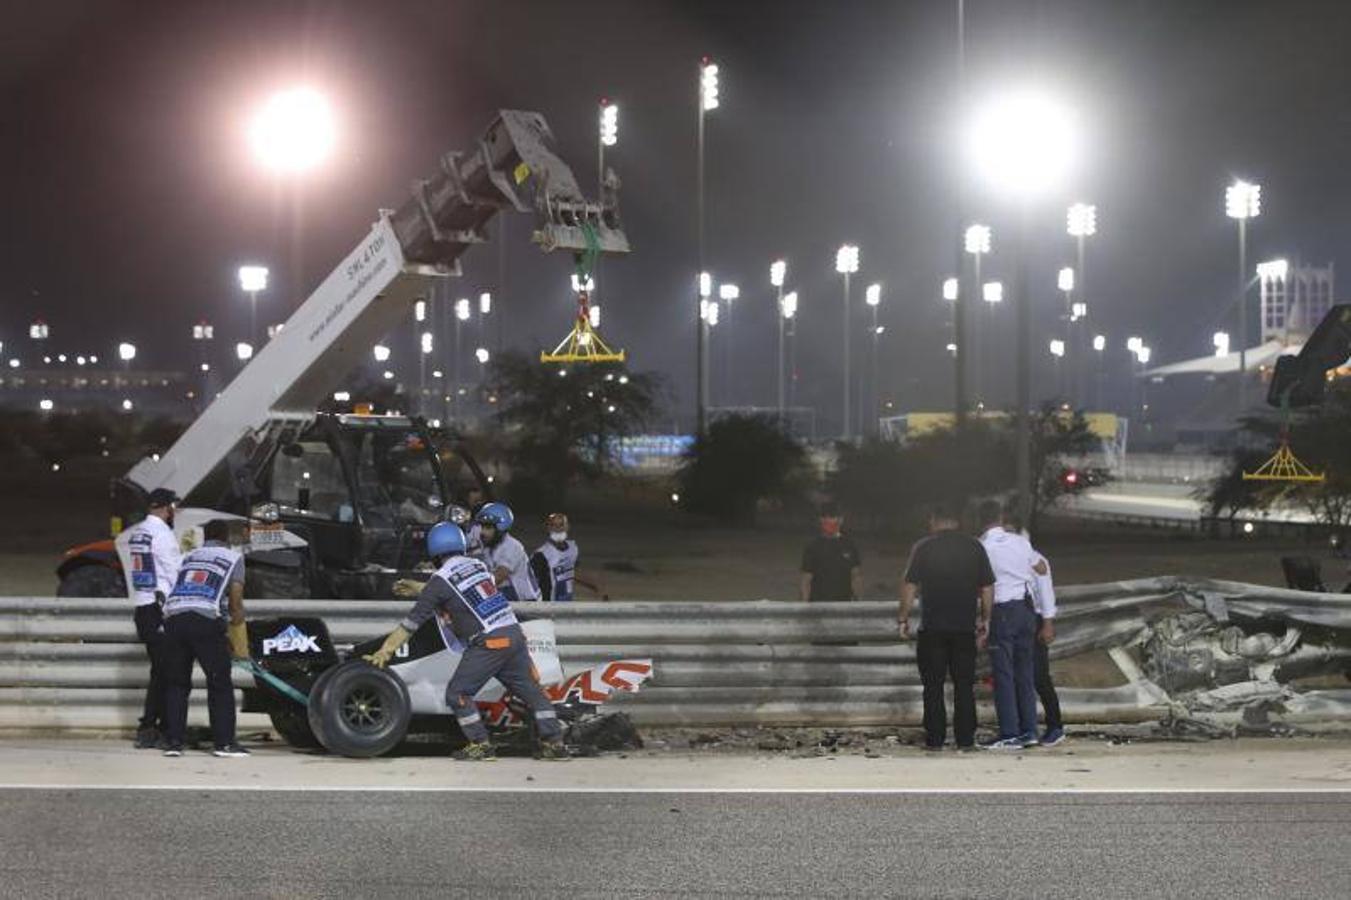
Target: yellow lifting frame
[{"x": 1285, "y": 466}]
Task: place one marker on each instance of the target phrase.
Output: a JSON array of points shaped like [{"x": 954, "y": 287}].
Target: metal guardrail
[{"x": 75, "y": 663}]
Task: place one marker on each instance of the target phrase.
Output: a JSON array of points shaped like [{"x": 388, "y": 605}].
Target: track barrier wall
[{"x": 74, "y": 663}]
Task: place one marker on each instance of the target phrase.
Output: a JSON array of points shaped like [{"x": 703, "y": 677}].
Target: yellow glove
[
  {"x": 239, "y": 639},
  {"x": 396, "y": 639},
  {"x": 408, "y": 587}
]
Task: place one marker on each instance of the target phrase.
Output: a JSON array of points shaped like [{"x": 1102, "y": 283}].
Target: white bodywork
[{"x": 426, "y": 678}]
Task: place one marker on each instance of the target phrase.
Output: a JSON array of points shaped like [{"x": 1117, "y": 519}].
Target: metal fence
[{"x": 74, "y": 663}]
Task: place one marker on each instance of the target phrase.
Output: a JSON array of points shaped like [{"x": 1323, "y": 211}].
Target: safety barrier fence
[{"x": 74, "y": 663}]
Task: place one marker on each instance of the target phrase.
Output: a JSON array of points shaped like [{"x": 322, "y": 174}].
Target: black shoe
[
  {"x": 966, "y": 748},
  {"x": 147, "y": 739},
  {"x": 173, "y": 750},
  {"x": 933, "y": 748},
  {"x": 230, "y": 751}
]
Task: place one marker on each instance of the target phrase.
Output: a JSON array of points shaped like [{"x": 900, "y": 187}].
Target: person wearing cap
[
  {"x": 831, "y": 566},
  {"x": 554, "y": 564},
  {"x": 151, "y": 563}
]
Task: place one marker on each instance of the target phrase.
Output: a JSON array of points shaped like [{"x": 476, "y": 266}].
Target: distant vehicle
[{"x": 339, "y": 504}]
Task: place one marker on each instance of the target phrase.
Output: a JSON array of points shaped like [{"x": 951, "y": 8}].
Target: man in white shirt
[
  {"x": 151, "y": 559},
  {"x": 1043, "y": 592},
  {"x": 1013, "y": 629},
  {"x": 504, "y": 555}
]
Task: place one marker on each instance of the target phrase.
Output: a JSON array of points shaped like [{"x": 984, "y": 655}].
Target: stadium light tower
[
  {"x": 1081, "y": 221},
  {"x": 872, "y": 296},
  {"x": 778, "y": 271},
  {"x": 976, "y": 242},
  {"x": 707, "y": 94},
  {"x": 1243, "y": 201},
  {"x": 846, "y": 263},
  {"x": 1024, "y": 143},
  {"x": 252, "y": 280},
  {"x": 608, "y": 135}
]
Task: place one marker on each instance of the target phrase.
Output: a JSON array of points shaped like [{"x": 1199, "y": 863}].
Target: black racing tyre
[
  {"x": 312, "y": 716},
  {"x": 292, "y": 723},
  {"x": 92, "y": 580},
  {"x": 361, "y": 711}
]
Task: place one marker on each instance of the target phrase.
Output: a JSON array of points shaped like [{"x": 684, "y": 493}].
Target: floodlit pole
[
  {"x": 976, "y": 242},
  {"x": 461, "y": 316},
  {"x": 1081, "y": 222},
  {"x": 707, "y": 100},
  {"x": 1024, "y": 144},
  {"x": 873, "y": 297},
  {"x": 846, "y": 263},
  {"x": 729, "y": 293},
  {"x": 777, "y": 270},
  {"x": 705, "y": 291},
  {"x": 607, "y": 136},
  {"x": 1243, "y": 201},
  {"x": 253, "y": 279},
  {"x": 789, "y": 312},
  {"x": 1100, "y": 346}
]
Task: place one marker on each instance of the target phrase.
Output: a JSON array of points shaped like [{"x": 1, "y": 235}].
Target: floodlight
[{"x": 977, "y": 239}]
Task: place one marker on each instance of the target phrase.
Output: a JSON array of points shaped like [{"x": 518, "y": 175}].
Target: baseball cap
[{"x": 161, "y": 497}]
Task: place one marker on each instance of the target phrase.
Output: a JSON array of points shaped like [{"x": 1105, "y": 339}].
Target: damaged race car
[{"x": 319, "y": 696}]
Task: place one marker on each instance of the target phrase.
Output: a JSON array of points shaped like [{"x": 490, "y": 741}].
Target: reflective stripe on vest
[
  {"x": 473, "y": 586},
  {"x": 202, "y": 582},
  {"x": 142, "y": 550}
]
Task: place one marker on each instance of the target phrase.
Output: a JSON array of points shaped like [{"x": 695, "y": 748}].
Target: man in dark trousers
[
  {"x": 204, "y": 621},
  {"x": 151, "y": 563},
  {"x": 951, "y": 573},
  {"x": 831, "y": 566}
]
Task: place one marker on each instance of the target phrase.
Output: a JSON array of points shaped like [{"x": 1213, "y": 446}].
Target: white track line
[{"x": 498, "y": 789}]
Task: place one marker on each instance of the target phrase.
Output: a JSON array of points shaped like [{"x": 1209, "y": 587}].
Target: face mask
[
  {"x": 558, "y": 537},
  {"x": 830, "y": 527}
]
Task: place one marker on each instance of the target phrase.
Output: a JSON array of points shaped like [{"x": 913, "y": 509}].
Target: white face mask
[{"x": 558, "y": 537}]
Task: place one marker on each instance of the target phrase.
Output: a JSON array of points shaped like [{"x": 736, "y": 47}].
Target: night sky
[{"x": 130, "y": 195}]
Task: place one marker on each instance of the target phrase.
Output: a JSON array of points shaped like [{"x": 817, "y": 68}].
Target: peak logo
[{"x": 290, "y": 640}]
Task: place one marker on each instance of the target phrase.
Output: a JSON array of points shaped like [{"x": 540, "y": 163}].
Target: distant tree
[
  {"x": 1057, "y": 435},
  {"x": 739, "y": 462},
  {"x": 564, "y": 422},
  {"x": 889, "y": 483}
]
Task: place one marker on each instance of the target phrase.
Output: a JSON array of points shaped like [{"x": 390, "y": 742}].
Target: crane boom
[{"x": 375, "y": 286}]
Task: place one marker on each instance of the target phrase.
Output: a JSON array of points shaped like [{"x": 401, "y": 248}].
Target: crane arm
[
  {"x": 1300, "y": 380},
  {"x": 513, "y": 166}
]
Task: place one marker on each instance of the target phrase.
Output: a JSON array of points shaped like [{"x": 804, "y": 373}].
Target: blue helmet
[
  {"x": 445, "y": 539},
  {"x": 498, "y": 515}
]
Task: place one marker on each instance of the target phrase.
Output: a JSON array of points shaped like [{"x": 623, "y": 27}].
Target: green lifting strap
[
  {"x": 586, "y": 260},
  {"x": 273, "y": 681}
]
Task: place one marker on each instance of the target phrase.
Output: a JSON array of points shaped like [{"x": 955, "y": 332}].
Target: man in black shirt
[
  {"x": 952, "y": 575},
  {"x": 830, "y": 564}
]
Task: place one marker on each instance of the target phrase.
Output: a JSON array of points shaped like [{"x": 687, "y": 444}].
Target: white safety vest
[
  {"x": 203, "y": 580},
  {"x": 562, "y": 568},
  {"x": 472, "y": 581},
  {"x": 509, "y": 554},
  {"x": 153, "y": 560}
]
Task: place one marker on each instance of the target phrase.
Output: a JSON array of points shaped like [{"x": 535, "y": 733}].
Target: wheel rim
[{"x": 363, "y": 709}]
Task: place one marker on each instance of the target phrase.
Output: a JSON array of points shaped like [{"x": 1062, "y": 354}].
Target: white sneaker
[{"x": 230, "y": 751}]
